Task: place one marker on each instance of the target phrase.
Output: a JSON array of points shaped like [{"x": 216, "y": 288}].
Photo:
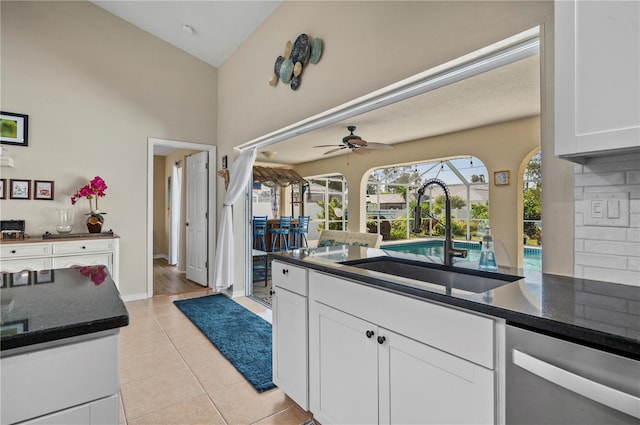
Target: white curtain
[{"x": 239, "y": 175}]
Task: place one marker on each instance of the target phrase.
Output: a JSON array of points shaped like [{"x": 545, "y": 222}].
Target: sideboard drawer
[
  {"x": 81, "y": 246},
  {"x": 24, "y": 250},
  {"x": 19, "y": 264}
]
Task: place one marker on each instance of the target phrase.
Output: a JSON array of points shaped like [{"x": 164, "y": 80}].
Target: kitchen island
[
  {"x": 383, "y": 348},
  {"x": 60, "y": 346}
]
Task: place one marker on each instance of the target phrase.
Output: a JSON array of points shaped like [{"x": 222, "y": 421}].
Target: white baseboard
[
  {"x": 163, "y": 256},
  {"x": 134, "y": 297}
]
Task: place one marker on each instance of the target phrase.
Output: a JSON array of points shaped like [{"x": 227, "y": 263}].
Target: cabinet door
[
  {"x": 290, "y": 352},
  {"x": 343, "y": 367},
  {"x": 597, "y": 63},
  {"x": 422, "y": 385}
]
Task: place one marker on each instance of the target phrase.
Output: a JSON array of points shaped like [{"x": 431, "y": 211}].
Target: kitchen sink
[{"x": 451, "y": 277}]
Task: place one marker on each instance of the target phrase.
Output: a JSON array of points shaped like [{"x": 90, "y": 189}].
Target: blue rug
[{"x": 241, "y": 336}]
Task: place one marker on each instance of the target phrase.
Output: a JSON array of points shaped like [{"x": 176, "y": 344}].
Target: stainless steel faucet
[{"x": 449, "y": 250}]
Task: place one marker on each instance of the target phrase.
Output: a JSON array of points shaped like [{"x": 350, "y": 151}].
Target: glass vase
[{"x": 65, "y": 221}]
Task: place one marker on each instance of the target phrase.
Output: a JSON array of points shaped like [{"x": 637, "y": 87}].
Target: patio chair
[
  {"x": 259, "y": 231},
  {"x": 299, "y": 232},
  {"x": 281, "y": 231}
]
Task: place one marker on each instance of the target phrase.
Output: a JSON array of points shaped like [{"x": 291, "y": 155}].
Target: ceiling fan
[{"x": 355, "y": 143}]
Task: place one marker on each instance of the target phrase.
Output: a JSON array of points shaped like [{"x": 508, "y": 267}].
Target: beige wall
[
  {"x": 160, "y": 212},
  {"x": 368, "y": 45},
  {"x": 95, "y": 88}
]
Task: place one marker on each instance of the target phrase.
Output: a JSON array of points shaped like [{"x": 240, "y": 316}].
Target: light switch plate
[{"x": 606, "y": 209}]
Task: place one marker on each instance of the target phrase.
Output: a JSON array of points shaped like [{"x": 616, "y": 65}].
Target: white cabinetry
[
  {"x": 73, "y": 383},
  {"x": 41, "y": 255},
  {"x": 290, "y": 341},
  {"x": 597, "y": 78},
  {"x": 380, "y": 357}
]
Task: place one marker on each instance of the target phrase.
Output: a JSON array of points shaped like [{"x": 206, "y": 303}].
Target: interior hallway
[
  {"x": 171, "y": 374},
  {"x": 167, "y": 280}
]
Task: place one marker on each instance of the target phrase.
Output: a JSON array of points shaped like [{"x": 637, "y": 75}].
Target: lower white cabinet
[
  {"x": 369, "y": 363},
  {"x": 73, "y": 383},
  {"x": 290, "y": 325},
  {"x": 37, "y": 254}
]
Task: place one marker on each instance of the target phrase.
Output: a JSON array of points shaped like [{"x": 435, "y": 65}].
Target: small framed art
[
  {"x": 3, "y": 188},
  {"x": 14, "y": 128},
  {"x": 501, "y": 178},
  {"x": 20, "y": 189},
  {"x": 43, "y": 189}
]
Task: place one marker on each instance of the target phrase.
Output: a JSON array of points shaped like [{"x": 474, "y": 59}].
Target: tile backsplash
[{"x": 610, "y": 254}]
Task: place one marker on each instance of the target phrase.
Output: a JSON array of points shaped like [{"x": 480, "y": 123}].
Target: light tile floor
[{"x": 171, "y": 374}]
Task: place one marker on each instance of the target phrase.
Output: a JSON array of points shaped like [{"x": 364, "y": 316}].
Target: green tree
[
  {"x": 455, "y": 200},
  {"x": 477, "y": 178},
  {"x": 333, "y": 204},
  {"x": 480, "y": 211},
  {"x": 532, "y": 197}
]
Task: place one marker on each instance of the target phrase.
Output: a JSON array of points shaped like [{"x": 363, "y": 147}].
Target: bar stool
[
  {"x": 283, "y": 231},
  {"x": 299, "y": 233},
  {"x": 259, "y": 230}
]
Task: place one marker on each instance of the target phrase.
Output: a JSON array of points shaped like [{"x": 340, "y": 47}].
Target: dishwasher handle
[{"x": 608, "y": 396}]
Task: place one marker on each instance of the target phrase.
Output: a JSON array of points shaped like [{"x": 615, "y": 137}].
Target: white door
[
  {"x": 422, "y": 385},
  {"x": 290, "y": 344},
  {"x": 344, "y": 369},
  {"x": 197, "y": 213}
]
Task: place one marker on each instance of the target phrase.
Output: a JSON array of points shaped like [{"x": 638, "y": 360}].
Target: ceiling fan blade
[
  {"x": 373, "y": 145},
  {"x": 326, "y": 146},
  {"x": 334, "y": 150}
]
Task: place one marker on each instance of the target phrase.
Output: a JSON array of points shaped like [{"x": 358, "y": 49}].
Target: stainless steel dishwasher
[{"x": 552, "y": 381}]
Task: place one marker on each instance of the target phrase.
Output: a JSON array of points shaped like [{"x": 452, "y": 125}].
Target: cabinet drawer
[
  {"x": 14, "y": 266},
  {"x": 24, "y": 250},
  {"x": 78, "y": 247},
  {"x": 82, "y": 260},
  {"x": 290, "y": 277}
]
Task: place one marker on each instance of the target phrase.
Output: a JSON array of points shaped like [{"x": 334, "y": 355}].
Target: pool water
[{"x": 532, "y": 256}]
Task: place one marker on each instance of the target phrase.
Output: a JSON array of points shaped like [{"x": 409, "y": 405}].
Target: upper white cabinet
[{"x": 597, "y": 78}]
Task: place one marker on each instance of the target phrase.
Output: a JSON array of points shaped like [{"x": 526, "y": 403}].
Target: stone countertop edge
[
  {"x": 63, "y": 332},
  {"x": 533, "y": 320}
]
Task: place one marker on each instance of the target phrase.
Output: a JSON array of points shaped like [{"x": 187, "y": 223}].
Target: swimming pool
[{"x": 532, "y": 256}]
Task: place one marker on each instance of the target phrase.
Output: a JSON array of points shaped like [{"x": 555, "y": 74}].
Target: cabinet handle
[
  {"x": 369, "y": 334},
  {"x": 285, "y": 271},
  {"x": 13, "y": 251},
  {"x": 381, "y": 340},
  {"x": 84, "y": 247}
]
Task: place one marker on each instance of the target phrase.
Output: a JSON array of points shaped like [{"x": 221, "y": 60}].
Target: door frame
[{"x": 212, "y": 222}]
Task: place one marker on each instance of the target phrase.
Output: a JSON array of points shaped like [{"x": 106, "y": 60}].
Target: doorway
[{"x": 163, "y": 208}]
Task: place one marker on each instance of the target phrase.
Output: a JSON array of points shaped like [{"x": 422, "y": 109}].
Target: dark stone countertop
[
  {"x": 50, "y": 305},
  {"x": 593, "y": 313}
]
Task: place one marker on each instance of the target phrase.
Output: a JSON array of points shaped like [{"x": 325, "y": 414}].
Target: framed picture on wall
[
  {"x": 14, "y": 128},
  {"x": 501, "y": 178},
  {"x": 20, "y": 189},
  {"x": 43, "y": 189},
  {"x": 3, "y": 188}
]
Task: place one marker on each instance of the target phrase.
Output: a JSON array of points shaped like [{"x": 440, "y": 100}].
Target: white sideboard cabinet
[
  {"x": 597, "y": 78},
  {"x": 39, "y": 254}
]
